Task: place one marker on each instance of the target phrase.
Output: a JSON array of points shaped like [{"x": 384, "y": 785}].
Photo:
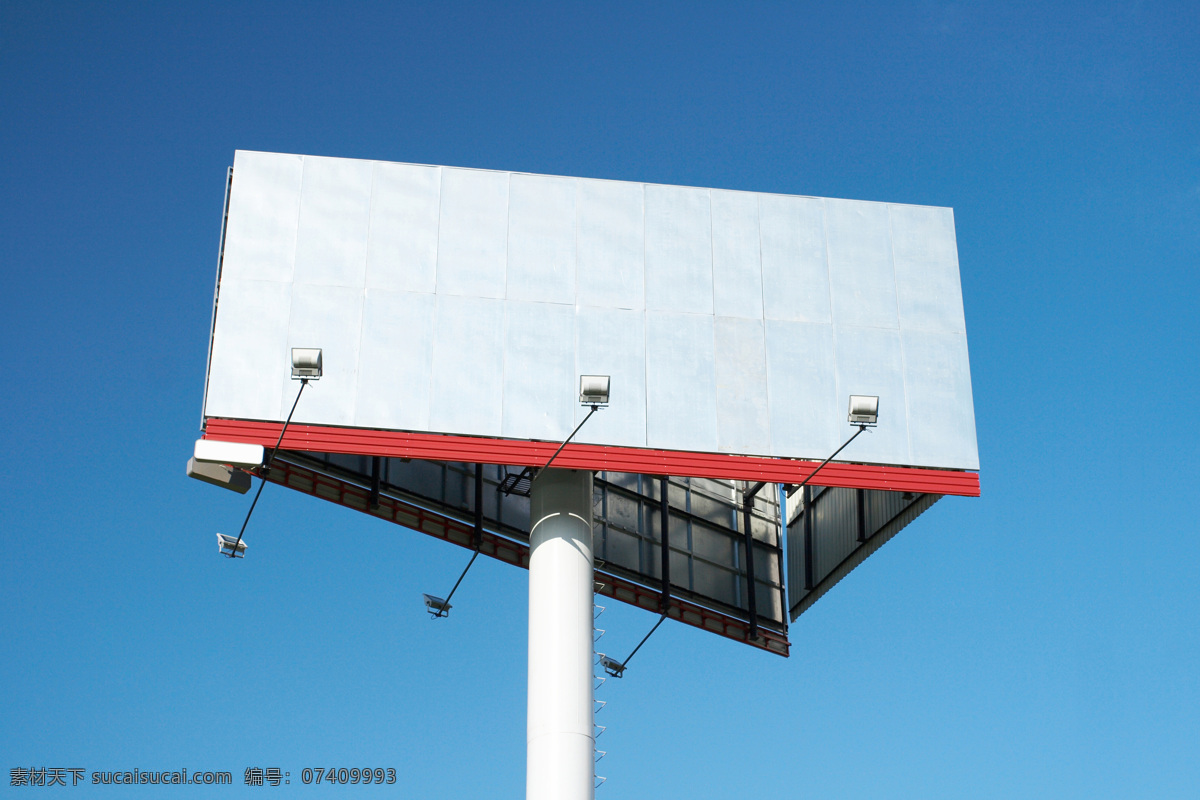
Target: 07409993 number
[{"x": 352, "y": 775}]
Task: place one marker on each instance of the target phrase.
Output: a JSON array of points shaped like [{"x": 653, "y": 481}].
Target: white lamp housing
[
  {"x": 612, "y": 666},
  {"x": 864, "y": 409},
  {"x": 230, "y": 546},
  {"x": 593, "y": 390},
  {"x": 306, "y": 363},
  {"x": 235, "y": 454},
  {"x": 436, "y": 605}
]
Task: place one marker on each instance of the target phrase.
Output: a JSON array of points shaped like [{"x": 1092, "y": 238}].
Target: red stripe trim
[{"x": 515, "y": 452}]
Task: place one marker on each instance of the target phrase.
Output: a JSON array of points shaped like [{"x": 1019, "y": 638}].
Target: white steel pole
[{"x": 560, "y": 741}]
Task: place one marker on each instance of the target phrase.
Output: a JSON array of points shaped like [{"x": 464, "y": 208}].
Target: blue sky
[{"x": 1040, "y": 641}]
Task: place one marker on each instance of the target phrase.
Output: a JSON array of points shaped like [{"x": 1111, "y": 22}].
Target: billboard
[
  {"x": 456, "y": 309},
  {"x": 466, "y": 302}
]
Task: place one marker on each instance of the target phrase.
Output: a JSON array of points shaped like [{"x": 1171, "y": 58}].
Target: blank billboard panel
[{"x": 449, "y": 301}]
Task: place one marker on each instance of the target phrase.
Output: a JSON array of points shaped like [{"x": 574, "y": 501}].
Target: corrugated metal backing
[
  {"x": 707, "y": 559},
  {"x": 835, "y": 546}
]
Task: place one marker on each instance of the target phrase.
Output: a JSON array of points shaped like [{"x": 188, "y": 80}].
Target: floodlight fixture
[
  {"x": 306, "y": 363},
  {"x": 617, "y": 668},
  {"x": 231, "y": 547},
  {"x": 864, "y": 409},
  {"x": 306, "y": 366},
  {"x": 436, "y": 606},
  {"x": 864, "y": 412},
  {"x": 593, "y": 390},
  {"x": 612, "y": 666}
]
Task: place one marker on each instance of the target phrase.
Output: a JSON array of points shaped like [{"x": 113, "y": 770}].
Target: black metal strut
[
  {"x": 476, "y": 540},
  {"x": 266, "y": 467}
]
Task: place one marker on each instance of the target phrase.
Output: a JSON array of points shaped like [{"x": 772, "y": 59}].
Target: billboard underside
[{"x": 708, "y": 575}]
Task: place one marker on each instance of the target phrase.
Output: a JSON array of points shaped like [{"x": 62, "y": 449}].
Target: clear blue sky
[{"x": 1041, "y": 641}]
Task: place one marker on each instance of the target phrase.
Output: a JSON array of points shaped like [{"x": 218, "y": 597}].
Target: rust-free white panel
[
  {"x": 402, "y": 249},
  {"x": 870, "y": 361},
  {"x": 862, "y": 281},
  {"x": 681, "y": 402},
  {"x": 395, "y": 361},
  {"x": 737, "y": 271},
  {"x": 678, "y": 250},
  {"x": 468, "y": 366},
  {"x": 612, "y": 341},
  {"x": 802, "y": 387},
  {"x": 729, "y": 321},
  {"x": 249, "y": 350},
  {"x": 540, "y": 386},
  {"x": 928, "y": 292},
  {"x": 335, "y": 213},
  {"x": 740, "y": 363},
  {"x": 473, "y": 234},
  {"x": 795, "y": 267},
  {"x": 611, "y": 253},
  {"x": 938, "y": 387},
  {"x": 329, "y": 317},
  {"x": 541, "y": 239},
  {"x": 260, "y": 239}
]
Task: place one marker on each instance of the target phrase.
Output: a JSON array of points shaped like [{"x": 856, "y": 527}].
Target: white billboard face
[{"x": 468, "y": 302}]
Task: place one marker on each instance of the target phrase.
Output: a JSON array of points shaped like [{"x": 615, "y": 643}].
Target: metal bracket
[{"x": 518, "y": 483}]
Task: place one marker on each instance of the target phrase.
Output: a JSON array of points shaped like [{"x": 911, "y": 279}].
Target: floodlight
[
  {"x": 612, "y": 666},
  {"x": 593, "y": 390},
  {"x": 436, "y": 605},
  {"x": 219, "y": 475},
  {"x": 230, "y": 546},
  {"x": 235, "y": 454},
  {"x": 864, "y": 409},
  {"x": 306, "y": 363}
]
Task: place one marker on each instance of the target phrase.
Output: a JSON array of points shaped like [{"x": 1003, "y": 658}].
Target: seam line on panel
[
  {"x": 712, "y": 269},
  {"x": 762, "y": 300},
  {"x": 437, "y": 246},
  {"x": 292, "y": 292},
  {"x": 645, "y": 325},
  {"x": 837, "y": 372},
  {"x": 362, "y": 308},
  {"x": 712, "y": 294},
  {"x": 437, "y": 252},
  {"x": 504, "y": 302},
  {"x": 370, "y": 216},
  {"x": 507, "y": 232},
  {"x": 575, "y": 407},
  {"x": 900, "y": 331}
]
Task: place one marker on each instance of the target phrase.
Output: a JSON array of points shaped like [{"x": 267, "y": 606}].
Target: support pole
[{"x": 560, "y": 743}]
